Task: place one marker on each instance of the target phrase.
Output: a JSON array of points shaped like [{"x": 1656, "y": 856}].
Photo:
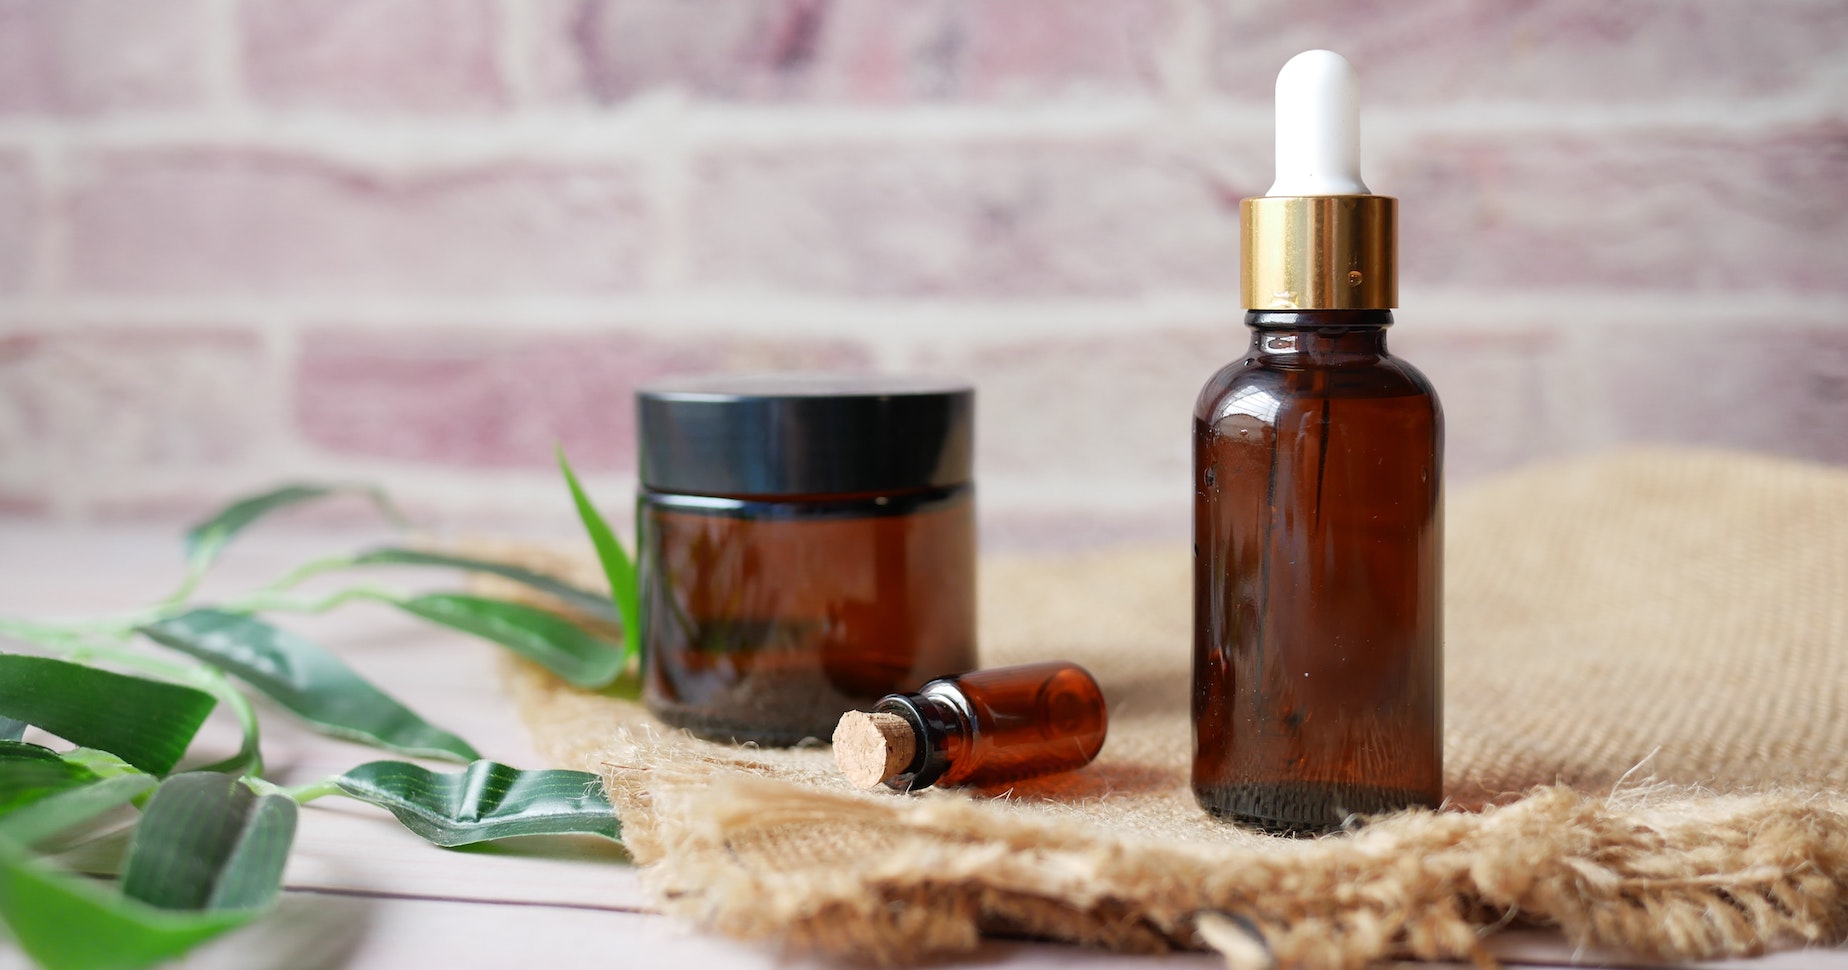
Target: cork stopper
[{"x": 870, "y": 748}]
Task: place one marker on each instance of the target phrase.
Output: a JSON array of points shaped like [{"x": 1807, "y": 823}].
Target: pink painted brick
[
  {"x": 1100, "y": 411},
  {"x": 236, "y": 222},
  {"x": 1542, "y": 50},
  {"x": 403, "y": 55},
  {"x": 19, "y": 210},
  {"x": 1498, "y": 387},
  {"x": 79, "y": 408},
  {"x": 82, "y": 56},
  {"x": 608, "y": 50},
  {"x": 1075, "y": 218},
  {"x": 1632, "y": 209},
  {"x": 1039, "y": 47},
  {"x": 478, "y": 400},
  {"x": 846, "y": 50},
  {"x": 1115, "y": 409},
  {"x": 22, "y": 506},
  {"x": 1760, "y": 385}
]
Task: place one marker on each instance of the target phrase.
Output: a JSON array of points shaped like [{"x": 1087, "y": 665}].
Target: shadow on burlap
[{"x": 1647, "y": 714}]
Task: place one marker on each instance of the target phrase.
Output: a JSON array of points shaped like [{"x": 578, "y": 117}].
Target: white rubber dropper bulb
[{"x": 1318, "y": 127}]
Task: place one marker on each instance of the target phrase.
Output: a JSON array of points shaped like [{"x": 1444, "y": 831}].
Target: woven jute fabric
[{"x": 1646, "y": 744}]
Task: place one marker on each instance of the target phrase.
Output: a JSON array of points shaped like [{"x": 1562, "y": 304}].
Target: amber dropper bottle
[
  {"x": 981, "y": 728},
  {"x": 1318, "y": 504}
]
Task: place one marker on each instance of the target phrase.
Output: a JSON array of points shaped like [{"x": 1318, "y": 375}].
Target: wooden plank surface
[{"x": 363, "y": 892}]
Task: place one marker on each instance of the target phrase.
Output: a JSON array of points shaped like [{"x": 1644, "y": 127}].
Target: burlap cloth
[{"x": 1647, "y": 709}]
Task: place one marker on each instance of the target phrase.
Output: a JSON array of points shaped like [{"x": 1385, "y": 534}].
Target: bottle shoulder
[{"x": 1264, "y": 386}]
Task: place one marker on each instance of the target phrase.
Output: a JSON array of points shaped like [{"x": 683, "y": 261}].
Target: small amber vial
[
  {"x": 807, "y": 545},
  {"x": 982, "y": 728}
]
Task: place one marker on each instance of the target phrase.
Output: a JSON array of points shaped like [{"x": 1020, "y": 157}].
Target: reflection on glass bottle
[
  {"x": 1318, "y": 531},
  {"x": 807, "y": 546},
  {"x": 765, "y": 625}
]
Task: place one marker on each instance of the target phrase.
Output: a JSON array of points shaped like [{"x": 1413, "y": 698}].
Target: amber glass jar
[{"x": 807, "y": 546}]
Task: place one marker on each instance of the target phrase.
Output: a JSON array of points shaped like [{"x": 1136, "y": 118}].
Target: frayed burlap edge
[
  {"x": 1662, "y": 874},
  {"x": 1688, "y": 602}
]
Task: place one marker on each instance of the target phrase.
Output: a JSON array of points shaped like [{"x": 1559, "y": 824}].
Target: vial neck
[
  {"x": 1319, "y": 337},
  {"x": 942, "y": 727}
]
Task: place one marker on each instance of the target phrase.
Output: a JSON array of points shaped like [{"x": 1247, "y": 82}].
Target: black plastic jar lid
[{"x": 804, "y": 434}]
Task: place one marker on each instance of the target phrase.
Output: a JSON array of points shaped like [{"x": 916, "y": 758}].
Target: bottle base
[{"x": 1304, "y": 807}]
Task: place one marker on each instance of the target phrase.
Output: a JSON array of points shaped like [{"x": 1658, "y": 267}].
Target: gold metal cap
[{"x": 1320, "y": 252}]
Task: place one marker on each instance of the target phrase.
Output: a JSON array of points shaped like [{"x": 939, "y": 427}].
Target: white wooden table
[{"x": 361, "y": 892}]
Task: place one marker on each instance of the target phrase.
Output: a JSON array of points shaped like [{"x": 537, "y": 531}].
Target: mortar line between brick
[
  {"x": 1185, "y": 57},
  {"x": 568, "y": 135},
  {"x": 668, "y": 184},
  {"x": 46, "y": 267},
  {"x": 1590, "y": 309},
  {"x": 1586, "y": 419},
  {"x": 223, "y": 70},
  {"x": 282, "y": 347},
  {"x": 514, "y": 41}
]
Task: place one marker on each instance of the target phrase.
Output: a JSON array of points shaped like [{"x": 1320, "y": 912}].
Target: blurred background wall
[{"x": 417, "y": 241}]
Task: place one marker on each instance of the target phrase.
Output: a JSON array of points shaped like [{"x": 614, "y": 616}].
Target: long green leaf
[
  {"x": 580, "y": 657},
  {"x": 486, "y": 801},
  {"x": 207, "y": 842},
  {"x": 617, "y": 566},
  {"x": 29, "y": 772},
  {"x": 68, "y": 808},
  {"x": 66, "y": 922},
  {"x": 147, "y": 723},
  {"x": 591, "y": 604},
  {"x": 306, "y": 679},
  {"x": 205, "y": 540},
  {"x": 43, "y": 793}
]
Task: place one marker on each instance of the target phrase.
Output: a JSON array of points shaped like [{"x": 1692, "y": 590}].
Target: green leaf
[
  {"x": 617, "y": 566},
  {"x": 102, "y": 763},
  {"x": 42, "y": 794},
  {"x": 205, "y": 540},
  {"x": 71, "y": 807},
  {"x": 207, "y": 842},
  {"x": 11, "y": 730},
  {"x": 148, "y": 723},
  {"x": 66, "y": 922},
  {"x": 486, "y": 801},
  {"x": 12, "y": 751},
  {"x": 29, "y": 772},
  {"x": 306, "y": 679},
  {"x": 584, "y": 601},
  {"x": 577, "y": 655}
]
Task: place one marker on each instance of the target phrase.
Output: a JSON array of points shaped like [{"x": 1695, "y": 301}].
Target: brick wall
[{"x": 416, "y": 241}]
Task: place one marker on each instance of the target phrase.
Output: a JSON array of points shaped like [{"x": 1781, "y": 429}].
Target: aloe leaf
[
  {"x": 485, "y": 801},
  {"x": 205, "y": 540},
  {"x": 582, "y": 600},
  {"x": 11, "y": 730},
  {"x": 307, "y": 680},
  {"x": 571, "y": 652},
  {"x": 148, "y": 723},
  {"x": 617, "y": 566},
  {"x": 207, "y": 842},
  {"x": 66, "y": 922}
]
